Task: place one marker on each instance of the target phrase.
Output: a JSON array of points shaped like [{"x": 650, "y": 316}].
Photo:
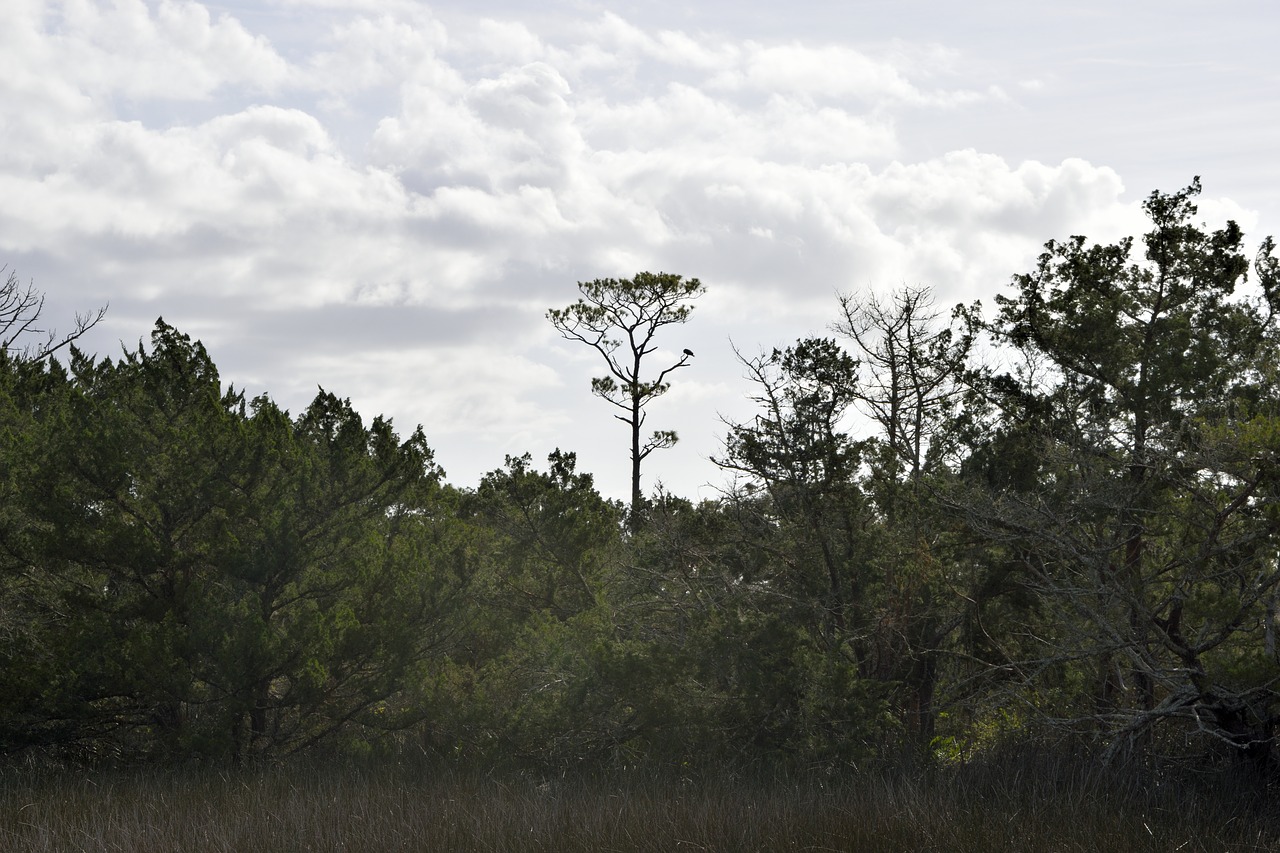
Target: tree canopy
[{"x": 1054, "y": 525}]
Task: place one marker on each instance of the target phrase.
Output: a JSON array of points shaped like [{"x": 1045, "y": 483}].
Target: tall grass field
[{"x": 1023, "y": 805}]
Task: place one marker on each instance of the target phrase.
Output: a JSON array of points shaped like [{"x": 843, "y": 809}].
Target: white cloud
[
  {"x": 499, "y": 133},
  {"x": 629, "y": 45},
  {"x": 445, "y": 184},
  {"x": 363, "y": 53},
  {"x": 818, "y": 73},
  {"x": 172, "y": 49},
  {"x": 685, "y": 120},
  {"x": 468, "y": 393},
  {"x": 504, "y": 43}
]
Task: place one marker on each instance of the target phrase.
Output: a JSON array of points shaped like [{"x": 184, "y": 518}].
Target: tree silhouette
[{"x": 619, "y": 319}]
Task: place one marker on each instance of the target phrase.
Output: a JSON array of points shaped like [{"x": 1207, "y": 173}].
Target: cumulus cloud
[
  {"x": 173, "y": 49},
  {"x": 388, "y": 203},
  {"x": 364, "y": 53}
]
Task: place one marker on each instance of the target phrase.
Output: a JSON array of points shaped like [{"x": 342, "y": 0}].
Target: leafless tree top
[{"x": 21, "y": 332}]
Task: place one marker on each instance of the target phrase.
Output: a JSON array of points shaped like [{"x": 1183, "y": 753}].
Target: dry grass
[{"x": 306, "y": 807}]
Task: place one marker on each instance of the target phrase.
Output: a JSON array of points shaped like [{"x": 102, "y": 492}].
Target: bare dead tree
[
  {"x": 912, "y": 371},
  {"x": 20, "y": 310}
]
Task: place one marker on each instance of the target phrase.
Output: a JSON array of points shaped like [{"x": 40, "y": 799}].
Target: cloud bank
[{"x": 384, "y": 201}]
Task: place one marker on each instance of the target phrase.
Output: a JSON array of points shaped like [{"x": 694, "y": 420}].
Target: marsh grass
[{"x": 1025, "y": 804}]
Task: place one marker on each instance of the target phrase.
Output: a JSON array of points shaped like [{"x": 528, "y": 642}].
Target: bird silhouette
[{"x": 689, "y": 353}]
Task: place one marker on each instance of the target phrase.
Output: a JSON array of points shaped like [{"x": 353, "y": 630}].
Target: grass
[{"x": 1020, "y": 806}]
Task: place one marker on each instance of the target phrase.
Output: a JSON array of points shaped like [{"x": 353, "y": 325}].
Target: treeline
[{"x": 1056, "y": 523}]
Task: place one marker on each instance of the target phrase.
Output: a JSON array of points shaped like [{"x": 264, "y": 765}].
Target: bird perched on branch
[{"x": 689, "y": 353}]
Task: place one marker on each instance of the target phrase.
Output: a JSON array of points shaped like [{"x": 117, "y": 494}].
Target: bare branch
[{"x": 20, "y": 311}]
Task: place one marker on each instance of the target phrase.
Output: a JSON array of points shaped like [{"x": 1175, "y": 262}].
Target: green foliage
[
  {"x": 535, "y": 676},
  {"x": 213, "y": 577},
  {"x": 922, "y": 558},
  {"x": 1144, "y": 510}
]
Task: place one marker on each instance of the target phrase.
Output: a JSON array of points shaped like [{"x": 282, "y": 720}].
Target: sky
[{"x": 383, "y": 197}]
